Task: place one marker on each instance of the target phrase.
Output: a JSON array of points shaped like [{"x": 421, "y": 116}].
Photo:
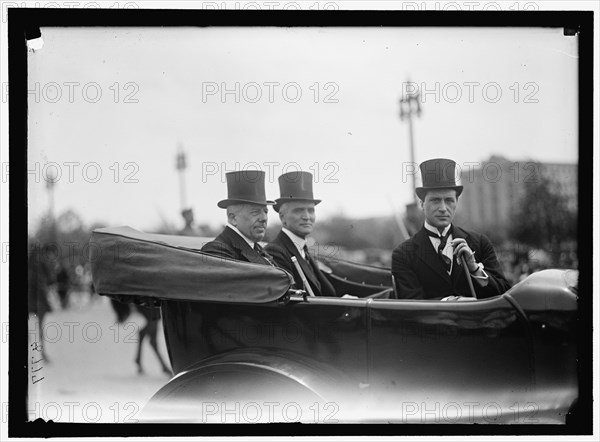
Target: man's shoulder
[
  {"x": 279, "y": 238},
  {"x": 214, "y": 244},
  {"x": 407, "y": 245},
  {"x": 280, "y": 252},
  {"x": 470, "y": 233},
  {"x": 277, "y": 244},
  {"x": 219, "y": 243}
]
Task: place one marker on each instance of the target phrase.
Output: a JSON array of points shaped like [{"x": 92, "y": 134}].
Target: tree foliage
[{"x": 543, "y": 218}]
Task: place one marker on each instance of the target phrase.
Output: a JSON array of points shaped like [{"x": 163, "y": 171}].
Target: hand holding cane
[
  {"x": 468, "y": 276},
  {"x": 463, "y": 261}
]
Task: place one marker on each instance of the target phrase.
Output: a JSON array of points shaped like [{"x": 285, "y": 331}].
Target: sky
[{"x": 109, "y": 108}]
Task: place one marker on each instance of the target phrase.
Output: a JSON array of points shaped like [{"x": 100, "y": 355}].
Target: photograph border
[{"x": 25, "y": 21}]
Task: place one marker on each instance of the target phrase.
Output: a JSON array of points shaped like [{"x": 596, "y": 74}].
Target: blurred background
[{"x": 139, "y": 126}]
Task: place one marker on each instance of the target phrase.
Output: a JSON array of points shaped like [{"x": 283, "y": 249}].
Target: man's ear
[{"x": 231, "y": 218}]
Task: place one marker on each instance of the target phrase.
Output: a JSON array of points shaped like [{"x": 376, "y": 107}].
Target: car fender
[{"x": 249, "y": 386}]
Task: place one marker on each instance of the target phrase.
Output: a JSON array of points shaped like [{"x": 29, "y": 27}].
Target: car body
[{"x": 244, "y": 347}]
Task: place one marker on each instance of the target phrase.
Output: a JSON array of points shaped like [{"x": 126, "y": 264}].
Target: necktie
[
  {"x": 313, "y": 264},
  {"x": 262, "y": 253},
  {"x": 309, "y": 259},
  {"x": 443, "y": 240},
  {"x": 307, "y": 255}
]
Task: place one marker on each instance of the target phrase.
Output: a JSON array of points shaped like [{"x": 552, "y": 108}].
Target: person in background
[{"x": 189, "y": 229}]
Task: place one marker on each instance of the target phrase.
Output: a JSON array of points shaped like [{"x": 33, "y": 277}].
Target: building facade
[{"x": 493, "y": 190}]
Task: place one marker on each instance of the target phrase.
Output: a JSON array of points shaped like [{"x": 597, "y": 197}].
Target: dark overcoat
[
  {"x": 282, "y": 250},
  {"x": 231, "y": 245},
  {"x": 419, "y": 272}
]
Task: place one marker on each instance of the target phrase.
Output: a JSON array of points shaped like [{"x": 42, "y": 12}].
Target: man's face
[
  {"x": 298, "y": 217},
  {"x": 439, "y": 207},
  {"x": 251, "y": 220}
]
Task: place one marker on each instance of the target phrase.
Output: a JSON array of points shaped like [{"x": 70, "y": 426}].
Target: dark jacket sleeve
[
  {"x": 406, "y": 282},
  {"x": 219, "y": 248},
  {"x": 497, "y": 282}
]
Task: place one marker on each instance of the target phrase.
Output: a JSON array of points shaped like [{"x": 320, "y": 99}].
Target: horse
[{"x": 150, "y": 329}]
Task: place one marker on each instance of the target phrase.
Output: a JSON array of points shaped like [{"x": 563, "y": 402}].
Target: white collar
[
  {"x": 435, "y": 230},
  {"x": 298, "y": 241},
  {"x": 236, "y": 230}
]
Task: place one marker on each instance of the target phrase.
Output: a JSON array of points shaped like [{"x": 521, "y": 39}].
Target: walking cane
[
  {"x": 468, "y": 275},
  {"x": 307, "y": 286}
]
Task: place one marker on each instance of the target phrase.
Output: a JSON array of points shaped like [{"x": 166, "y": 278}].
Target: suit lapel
[
  {"x": 427, "y": 253},
  {"x": 304, "y": 265},
  {"x": 251, "y": 255},
  {"x": 241, "y": 247}
]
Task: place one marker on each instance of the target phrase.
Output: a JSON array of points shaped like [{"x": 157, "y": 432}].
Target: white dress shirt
[
  {"x": 298, "y": 242},
  {"x": 480, "y": 275},
  {"x": 236, "y": 230}
]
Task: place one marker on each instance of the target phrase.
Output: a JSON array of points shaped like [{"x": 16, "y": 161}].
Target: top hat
[
  {"x": 295, "y": 186},
  {"x": 439, "y": 173},
  {"x": 245, "y": 187}
]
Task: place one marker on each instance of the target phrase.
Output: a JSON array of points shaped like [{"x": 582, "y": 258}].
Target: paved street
[{"x": 91, "y": 375}]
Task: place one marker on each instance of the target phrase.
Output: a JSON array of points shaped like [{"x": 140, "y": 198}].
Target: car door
[{"x": 447, "y": 362}]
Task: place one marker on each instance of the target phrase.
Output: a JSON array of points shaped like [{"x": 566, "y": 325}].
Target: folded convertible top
[{"x": 131, "y": 265}]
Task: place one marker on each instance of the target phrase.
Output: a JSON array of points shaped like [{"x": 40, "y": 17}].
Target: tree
[{"x": 543, "y": 219}]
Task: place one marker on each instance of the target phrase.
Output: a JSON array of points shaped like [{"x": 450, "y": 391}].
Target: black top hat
[
  {"x": 439, "y": 173},
  {"x": 243, "y": 187},
  {"x": 295, "y": 186}
]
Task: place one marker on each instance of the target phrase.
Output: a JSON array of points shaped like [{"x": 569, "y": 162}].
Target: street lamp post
[{"x": 410, "y": 105}]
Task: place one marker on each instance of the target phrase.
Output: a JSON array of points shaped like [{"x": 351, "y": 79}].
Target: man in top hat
[
  {"x": 246, "y": 206},
  {"x": 296, "y": 209},
  {"x": 428, "y": 265}
]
